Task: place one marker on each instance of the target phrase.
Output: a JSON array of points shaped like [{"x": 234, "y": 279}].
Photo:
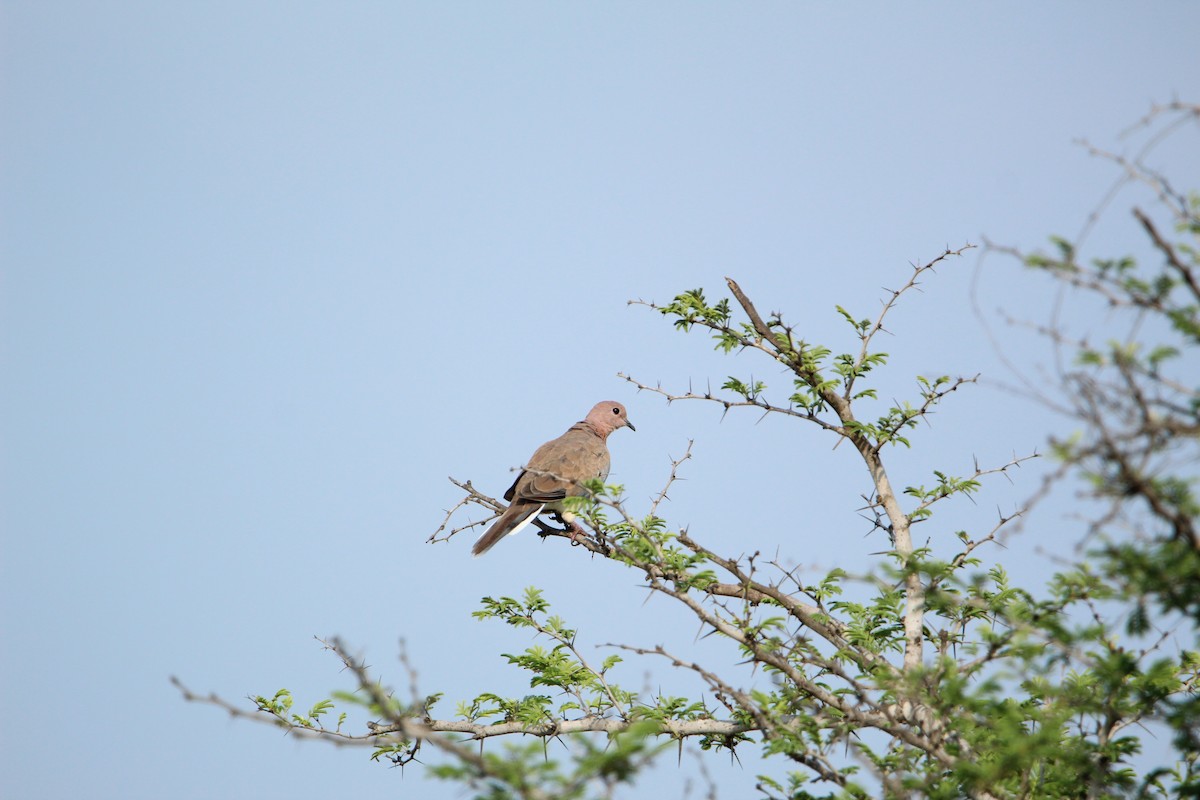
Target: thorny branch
[
  {"x": 899, "y": 522},
  {"x": 813, "y": 759},
  {"x": 914, "y": 282}
]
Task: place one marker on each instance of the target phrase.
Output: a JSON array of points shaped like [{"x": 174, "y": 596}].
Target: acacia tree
[{"x": 945, "y": 679}]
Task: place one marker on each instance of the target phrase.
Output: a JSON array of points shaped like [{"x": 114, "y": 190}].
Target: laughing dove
[{"x": 556, "y": 470}]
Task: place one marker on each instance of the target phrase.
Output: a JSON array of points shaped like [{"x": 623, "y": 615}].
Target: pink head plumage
[{"x": 605, "y": 417}]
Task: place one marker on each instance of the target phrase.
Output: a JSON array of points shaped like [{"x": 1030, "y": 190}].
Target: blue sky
[{"x": 270, "y": 272}]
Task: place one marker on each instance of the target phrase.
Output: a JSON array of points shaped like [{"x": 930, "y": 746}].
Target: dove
[{"x": 556, "y": 470}]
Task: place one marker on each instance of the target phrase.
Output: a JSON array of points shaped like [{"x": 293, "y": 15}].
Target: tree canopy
[{"x": 941, "y": 674}]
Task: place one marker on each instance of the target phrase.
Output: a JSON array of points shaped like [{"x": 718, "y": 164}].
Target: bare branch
[
  {"x": 893, "y": 296},
  {"x": 1185, "y": 272}
]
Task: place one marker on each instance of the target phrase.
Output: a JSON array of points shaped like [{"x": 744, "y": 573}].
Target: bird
[{"x": 557, "y": 470}]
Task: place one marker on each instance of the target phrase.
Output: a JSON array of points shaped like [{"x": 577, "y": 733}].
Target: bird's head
[{"x": 607, "y": 416}]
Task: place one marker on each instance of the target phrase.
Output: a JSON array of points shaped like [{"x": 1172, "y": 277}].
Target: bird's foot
[
  {"x": 578, "y": 535},
  {"x": 571, "y": 528}
]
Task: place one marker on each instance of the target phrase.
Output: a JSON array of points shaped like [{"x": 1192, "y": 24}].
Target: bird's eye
[{"x": 616, "y": 410}]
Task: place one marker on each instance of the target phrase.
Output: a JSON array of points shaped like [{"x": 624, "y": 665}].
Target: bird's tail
[{"x": 514, "y": 518}]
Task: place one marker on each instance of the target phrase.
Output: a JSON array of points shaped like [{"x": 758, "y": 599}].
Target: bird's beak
[{"x": 629, "y": 425}]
